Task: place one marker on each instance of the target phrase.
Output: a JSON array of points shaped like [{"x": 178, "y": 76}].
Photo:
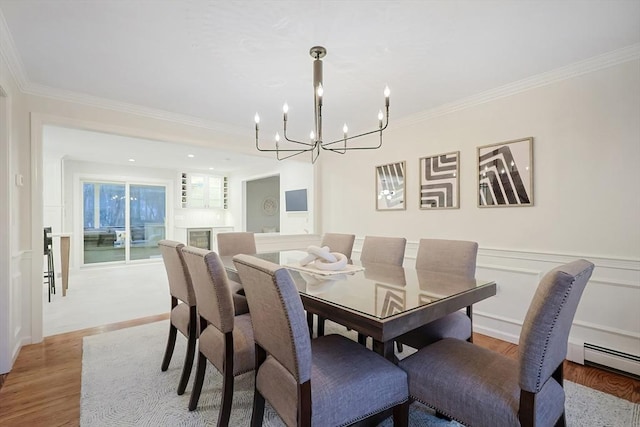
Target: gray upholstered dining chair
[
  {"x": 226, "y": 338},
  {"x": 327, "y": 381},
  {"x": 338, "y": 242},
  {"x": 237, "y": 242},
  {"x": 479, "y": 387},
  {"x": 379, "y": 250},
  {"x": 183, "y": 308},
  {"x": 456, "y": 257},
  {"x": 383, "y": 250}
]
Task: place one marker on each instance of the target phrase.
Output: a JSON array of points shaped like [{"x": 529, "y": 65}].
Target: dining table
[{"x": 377, "y": 300}]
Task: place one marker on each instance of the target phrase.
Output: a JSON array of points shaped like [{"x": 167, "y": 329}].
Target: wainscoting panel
[
  {"x": 267, "y": 242},
  {"x": 607, "y": 317}
]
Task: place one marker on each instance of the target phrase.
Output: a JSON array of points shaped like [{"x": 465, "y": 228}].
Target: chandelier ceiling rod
[{"x": 315, "y": 137}]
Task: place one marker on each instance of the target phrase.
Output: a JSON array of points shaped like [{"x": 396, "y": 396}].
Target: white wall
[
  {"x": 586, "y": 132},
  {"x": 15, "y": 257}
]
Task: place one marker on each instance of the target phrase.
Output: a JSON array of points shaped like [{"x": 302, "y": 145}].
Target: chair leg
[
  {"x": 526, "y": 412},
  {"x": 197, "y": 384},
  {"x": 401, "y": 415},
  {"x": 227, "y": 398},
  {"x": 470, "y": 314},
  {"x": 310, "y": 323},
  {"x": 188, "y": 363},
  {"x": 362, "y": 339},
  {"x": 321, "y": 321},
  {"x": 257, "y": 413},
  {"x": 558, "y": 375},
  {"x": 51, "y": 272},
  {"x": 227, "y": 383},
  {"x": 171, "y": 343},
  {"x": 399, "y": 346}
]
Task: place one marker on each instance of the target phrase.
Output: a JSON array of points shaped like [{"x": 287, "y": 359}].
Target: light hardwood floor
[{"x": 43, "y": 389}]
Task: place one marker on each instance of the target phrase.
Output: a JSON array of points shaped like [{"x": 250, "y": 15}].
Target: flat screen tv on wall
[{"x": 295, "y": 200}]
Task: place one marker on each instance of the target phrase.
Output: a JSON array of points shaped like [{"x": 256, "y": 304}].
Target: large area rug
[{"x": 122, "y": 385}]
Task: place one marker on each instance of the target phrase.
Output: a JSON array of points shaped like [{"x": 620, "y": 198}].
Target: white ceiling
[{"x": 218, "y": 62}]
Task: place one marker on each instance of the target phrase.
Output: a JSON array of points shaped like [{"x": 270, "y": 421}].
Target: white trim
[
  {"x": 127, "y": 108},
  {"x": 37, "y": 208},
  {"x": 8, "y": 52},
  {"x": 6, "y": 308},
  {"x": 607, "y": 329},
  {"x": 509, "y": 269},
  {"x": 609, "y": 59}
]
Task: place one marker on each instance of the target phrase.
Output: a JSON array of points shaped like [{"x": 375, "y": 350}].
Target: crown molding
[
  {"x": 123, "y": 107},
  {"x": 8, "y": 53},
  {"x": 629, "y": 53}
]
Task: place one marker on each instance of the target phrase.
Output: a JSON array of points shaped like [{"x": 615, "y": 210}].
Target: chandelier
[{"x": 315, "y": 137}]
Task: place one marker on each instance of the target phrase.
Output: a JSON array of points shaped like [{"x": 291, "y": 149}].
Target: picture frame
[
  {"x": 389, "y": 300},
  {"x": 390, "y": 186},
  {"x": 505, "y": 174},
  {"x": 440, "y": 181}
]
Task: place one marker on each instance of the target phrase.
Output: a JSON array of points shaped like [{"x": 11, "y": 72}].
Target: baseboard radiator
[{"x": 607, "y": 357}]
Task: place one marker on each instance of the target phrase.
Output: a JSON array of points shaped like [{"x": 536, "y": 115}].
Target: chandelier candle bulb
[
  {"x": 345, "y": 129},
  {"x": 380, "y": 116},
  {"x": 387, "y": 92},
  {"x": 285, "y": 110}
]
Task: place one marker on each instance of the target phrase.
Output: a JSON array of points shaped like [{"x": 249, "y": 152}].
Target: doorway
[
  {"x": 122, "y": 221},
  {"x": 263, "y": 204}
]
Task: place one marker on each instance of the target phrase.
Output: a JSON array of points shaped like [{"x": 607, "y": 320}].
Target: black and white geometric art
[
  {"x": 439, "y": 185},
  {"x": 505, "y": 174},
  {"x": 390, "y": 186}
]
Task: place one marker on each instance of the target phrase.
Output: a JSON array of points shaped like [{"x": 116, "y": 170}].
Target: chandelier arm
[
  {"x": 343, "y": 150},
  {"x": 284, "y": 132},
  {"x": 324, "y": 145},
  {"x": 297, "y": 142},
  {"x": 277, "y": 150},
  {"x": 290, "y": 155}
]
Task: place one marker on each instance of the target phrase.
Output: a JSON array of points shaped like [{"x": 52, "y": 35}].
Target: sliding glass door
[
  {"x": 122, "y": 221},
  {"x": 147, "y": 213}
]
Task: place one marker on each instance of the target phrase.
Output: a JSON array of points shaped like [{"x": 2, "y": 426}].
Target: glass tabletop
[{"x": 379, "y": 290}]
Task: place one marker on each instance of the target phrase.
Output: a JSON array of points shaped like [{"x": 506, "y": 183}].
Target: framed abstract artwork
[
  {"x": 505, "y": 174},
  {"x": 390, "y": 186},
  {"x": 389, "y": 300},
  {"x": 439, "y": 181}
]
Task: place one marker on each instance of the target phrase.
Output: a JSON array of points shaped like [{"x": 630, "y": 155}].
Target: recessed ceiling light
[
  {"x": 132, "y": 160},
  {"x": 191, "y": 156},
  {"x": 210, "y": 169}
]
